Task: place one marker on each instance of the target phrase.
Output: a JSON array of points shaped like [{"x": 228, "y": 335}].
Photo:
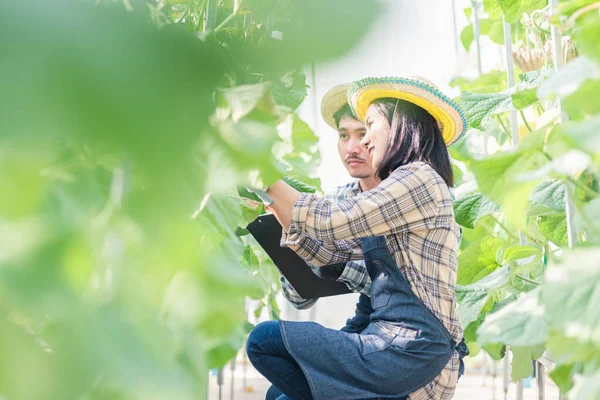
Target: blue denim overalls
[{"x": 404, "y": 347}]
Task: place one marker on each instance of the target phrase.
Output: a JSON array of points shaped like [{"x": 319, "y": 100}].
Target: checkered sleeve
[
  {"x": 356, "y": 277},
  {"x": 406, "y": 201},
  {"x": 293, "y": 297}
]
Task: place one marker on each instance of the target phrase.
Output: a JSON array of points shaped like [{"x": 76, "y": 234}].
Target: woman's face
[{"x": 377, "y": 137}]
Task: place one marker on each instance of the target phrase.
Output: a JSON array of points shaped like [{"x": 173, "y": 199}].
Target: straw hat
[
  {"x": 334, "y": 99},
  {"x": 416, "y": 90}
]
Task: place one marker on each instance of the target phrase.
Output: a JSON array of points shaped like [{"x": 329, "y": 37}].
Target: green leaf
[
  {"x": 290, "y": 90},
  {"x": 585, "y": 101},
  {"x": 571, "y": 294},
  {"x": 491, "y": 82},
  {"x": 519, "y": 324},
  {"x": 298, "y": 185},
  {"x": 523, "y": 99},
  {"x": 550, "y": 193},
  {"x": 478, "y": 260},
  {"x": 470, "y": 307},
  {"x": 514, "y": 9},
  {"x": 583, "y": 135},
  {"x": 495, "y": 280},
  {"x": 569, "y": 78},
  {"x": 492, "y": 8},
  {"x": 495, "y": 350},
  {"x": 525, "y": 92},
  {"x": 242, "y": 100},
  {"x": 554, "y": 228},
  {"x": 518, "y": 252},
  {"x": 466, "y": 37},
  {"x": 586, "y": 35},
  {"x": 250, "y": 260},
  {"x": 587, "y": 386},
  {"x": 496, "y": 33},
  {"x": 522, "y": 366},
  {"x": 468, "y": 12},
  {"x": 501, "y": 177},
  {"x": 468, "y": 209},
  {"x": 562, "y": 375},
  {"x": 479, "y": 107}
]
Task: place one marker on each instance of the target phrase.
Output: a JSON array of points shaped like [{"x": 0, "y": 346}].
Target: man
[{"x": 337, "y": 113}]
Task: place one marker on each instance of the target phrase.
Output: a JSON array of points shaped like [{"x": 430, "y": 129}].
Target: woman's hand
[{"x": 284, "y": 197}]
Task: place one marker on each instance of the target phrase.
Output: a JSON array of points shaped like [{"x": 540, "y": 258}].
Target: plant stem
[
  {"x": 586, "y": 189},
  {"x": 512, "y": 235},
  {"x": 504, "y": 128},
  {"x": 525, "y": 121},
  {"x": 226, "y": 21},
  {"x": 528, "y": 280}
]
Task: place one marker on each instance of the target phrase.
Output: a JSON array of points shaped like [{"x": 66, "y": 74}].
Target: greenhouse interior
[{"x": 300, "y": 199}]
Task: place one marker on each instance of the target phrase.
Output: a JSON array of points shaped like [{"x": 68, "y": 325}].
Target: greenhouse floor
[{"x": 248, "y": 384}]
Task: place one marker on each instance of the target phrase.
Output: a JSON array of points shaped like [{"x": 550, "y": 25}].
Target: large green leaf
[
  {"x": 569, "y": 78},
  {"x": 571, "y": 294},
  {"x": 492, "y": 8},
  {"x": 524, "y": 93},
  {"x": 491, "y": 82},
  {"x": 242, "y": 100},
  {"x": 587, "y": 387},
  {"x": 584, "y": 101},
  {"x": 479, "y": 107},
  {"x": 478, "y": 260},
  {"x": 562, "y": 376},
  {"x": 586, "y": 35},
  {"x": 519, "y": 252},
  {"x": 514, "y": 9},
  {"x": 521, "y": 323},
  {"x": 468, "y": 209},
  {"x": 497, "y": 177},
  {"x": 583, "y": 135},
  {"x": 493, "y": 281},
  {"x": 554, "y": 228},
  {"x": 470, "y": 307},
  {"x": 521, "y": 364},
  {"x": 466, "y": 37},
  {"x": 550, "y": 193}
]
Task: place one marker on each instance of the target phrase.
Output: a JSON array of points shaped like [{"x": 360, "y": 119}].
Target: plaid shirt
[
  {"x": 354, "y": 275},
  {"x": 412, "y": 208}
]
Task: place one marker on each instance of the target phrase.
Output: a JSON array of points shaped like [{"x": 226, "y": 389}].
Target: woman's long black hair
[{"x": 415, "y": 136}]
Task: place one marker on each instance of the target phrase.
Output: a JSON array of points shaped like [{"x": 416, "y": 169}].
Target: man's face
[{"x": 355, "y": 157}]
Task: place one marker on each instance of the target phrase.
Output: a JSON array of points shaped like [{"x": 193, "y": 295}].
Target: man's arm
[{"x": 293, "y": 297}]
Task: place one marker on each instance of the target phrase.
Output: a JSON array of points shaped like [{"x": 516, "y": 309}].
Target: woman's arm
[{"x": 409, "y": 199}]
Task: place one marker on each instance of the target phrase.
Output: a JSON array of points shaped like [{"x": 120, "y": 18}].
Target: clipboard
[{"x": 267, "y": 232}]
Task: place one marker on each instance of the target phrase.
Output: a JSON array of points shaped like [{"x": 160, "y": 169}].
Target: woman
[{"x": 406, "y": 233}]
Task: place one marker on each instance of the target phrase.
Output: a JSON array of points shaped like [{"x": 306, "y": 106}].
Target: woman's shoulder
[{"x": 418, "y": 170}]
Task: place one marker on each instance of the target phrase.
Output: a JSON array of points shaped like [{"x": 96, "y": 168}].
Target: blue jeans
[{"x": 268, "y": 355}]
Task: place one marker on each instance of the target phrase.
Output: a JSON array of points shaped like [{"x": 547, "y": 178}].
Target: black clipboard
[{"x": 267, "y": 232}]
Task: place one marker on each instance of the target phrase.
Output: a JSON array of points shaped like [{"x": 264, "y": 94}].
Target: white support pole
[
  {"x": 220, "y": 382},
  {"x": 232, "y": 382},
  {"x": 506, "y": 373},
  {"x": 210, "y": 15},
  {"x": 477, "y": 34},
  {"x": 514, "y": 128},
  {"x": 540, "y": 380},
  {"x": 455, "y": 28},
  {"x": 557, "y": 60}
]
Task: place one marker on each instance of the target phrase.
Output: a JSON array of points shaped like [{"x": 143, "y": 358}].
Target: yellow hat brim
[
  {"x": 333, "y": 101},
  {"x": 450, "y": 117}
]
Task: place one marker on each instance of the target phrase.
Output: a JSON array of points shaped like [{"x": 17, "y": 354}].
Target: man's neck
[{"x": 367, "y": 184}]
